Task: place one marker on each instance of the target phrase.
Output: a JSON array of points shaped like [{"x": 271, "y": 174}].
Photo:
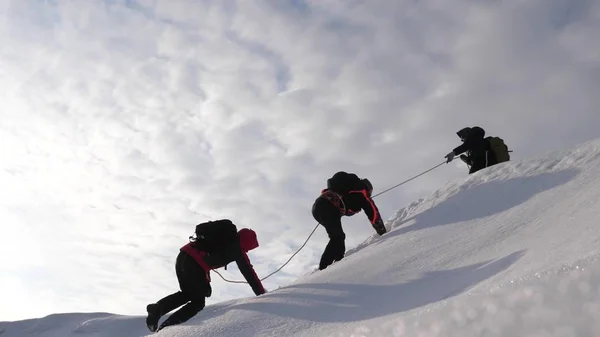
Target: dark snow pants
[
  {"x": 329, "y": 217},
  {"x": 479, "y": 160},
  {"x": 194, "y": 288}
]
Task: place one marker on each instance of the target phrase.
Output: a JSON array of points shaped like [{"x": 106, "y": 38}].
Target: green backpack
[{"x": 500, "y": 149}]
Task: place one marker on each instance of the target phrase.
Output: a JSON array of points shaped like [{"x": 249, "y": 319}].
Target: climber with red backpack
[
  {"x": 214, "y": 245},
  {"x": 481, "y": 151}
]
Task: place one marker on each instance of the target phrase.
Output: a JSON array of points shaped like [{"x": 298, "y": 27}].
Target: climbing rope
[
  {"x": 317, "y": 226},
  {"x": 276, "y": 271},
  {"x": 411, "y": 179}
]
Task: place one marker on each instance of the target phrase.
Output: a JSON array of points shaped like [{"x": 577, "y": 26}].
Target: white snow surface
[{"x": 508, "y": 251}]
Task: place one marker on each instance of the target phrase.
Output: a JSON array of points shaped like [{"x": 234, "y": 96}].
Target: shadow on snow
[
  {"x": 485, "y": 200},
  {"x": 341, "y": 302}
]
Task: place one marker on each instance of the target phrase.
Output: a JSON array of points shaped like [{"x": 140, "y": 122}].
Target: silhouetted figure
[
  {"x": 217, "y": 243},
  {"x": 481, "y": 151},
  {"x": 346, "y": 194}
]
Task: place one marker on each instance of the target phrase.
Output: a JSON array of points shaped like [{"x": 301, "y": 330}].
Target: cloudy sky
[{"x": 126, "y": 122}]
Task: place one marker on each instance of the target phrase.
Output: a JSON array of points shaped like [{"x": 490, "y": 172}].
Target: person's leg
[
  {"x": 478, "y": 163},
  {"x": 163, "y": 307},
  {"x": 194, "y": 286},
  {"x": 334, "y": 251},
  {"x": 168, "y": 303},
  {"x": 329, "y": 217},
  {"x": 184, "y": 313}
]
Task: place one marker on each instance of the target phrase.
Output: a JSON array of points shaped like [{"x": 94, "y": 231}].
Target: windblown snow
[{"x": 508, "y": 251}]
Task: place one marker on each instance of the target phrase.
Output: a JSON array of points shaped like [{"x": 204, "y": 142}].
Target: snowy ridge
[{"x": 508, "y": 251}]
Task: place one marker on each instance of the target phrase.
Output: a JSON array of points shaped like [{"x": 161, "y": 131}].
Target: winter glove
[
  {"x": 379, "y": 227},
  {"x": 450, "y": 156}
]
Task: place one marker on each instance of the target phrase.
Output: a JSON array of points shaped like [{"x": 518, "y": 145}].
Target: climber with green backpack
[{"x": 481, "y": 151}]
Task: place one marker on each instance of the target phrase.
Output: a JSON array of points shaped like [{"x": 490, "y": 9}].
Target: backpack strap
[{"x": 335, "y": 199}]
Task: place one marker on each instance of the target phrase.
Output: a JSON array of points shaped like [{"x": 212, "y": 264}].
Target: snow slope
[{"x": 509, "y": 251}]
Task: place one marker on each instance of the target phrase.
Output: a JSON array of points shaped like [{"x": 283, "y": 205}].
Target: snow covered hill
[{"x": 509, "y": 251}]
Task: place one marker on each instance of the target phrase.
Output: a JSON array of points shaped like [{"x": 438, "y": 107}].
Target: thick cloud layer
[{"x": 125, "y": 123}]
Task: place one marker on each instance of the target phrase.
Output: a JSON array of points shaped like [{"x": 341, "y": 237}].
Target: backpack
[
  {"x": 212, "y": 236},
  {"x": 343, "y": 182},
  {"x": 499, "y": 148}
]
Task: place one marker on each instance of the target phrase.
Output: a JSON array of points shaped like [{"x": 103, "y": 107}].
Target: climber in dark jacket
[
  {"x": 193, "y": 267},
  {"x": 346, "y": 194},
  {"x": 479, "y": 154}
]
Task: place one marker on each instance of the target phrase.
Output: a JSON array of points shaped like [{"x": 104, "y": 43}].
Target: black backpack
[
  {"x": 343, "y": 182},
  {"x": 212, "y": 236}
]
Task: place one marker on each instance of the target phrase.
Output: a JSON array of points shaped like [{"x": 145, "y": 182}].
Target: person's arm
[
  {"x": 464, "y": 147},
  {"x": 368, "y": 205},
  {"x": 247, "y": 270},
  {"x": 461, "y": 148}
]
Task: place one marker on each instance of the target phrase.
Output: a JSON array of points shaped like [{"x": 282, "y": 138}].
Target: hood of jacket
[
  {"x": 474, "y": 132},
  {"x": 248, "y": 240}
]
